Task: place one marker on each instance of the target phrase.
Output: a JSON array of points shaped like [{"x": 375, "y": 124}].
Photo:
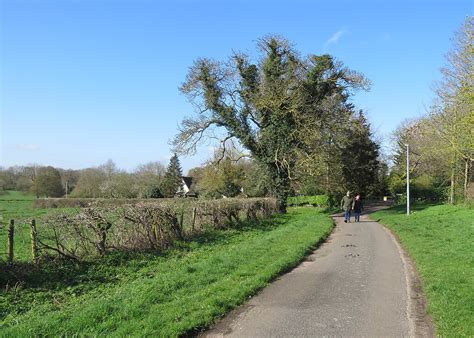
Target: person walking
[
  {"x": 346, "y": 205},
  {"x": 357, "y": 206}
]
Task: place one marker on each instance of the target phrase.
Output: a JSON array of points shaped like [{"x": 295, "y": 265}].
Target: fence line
[{"x": 142, "y": 226}]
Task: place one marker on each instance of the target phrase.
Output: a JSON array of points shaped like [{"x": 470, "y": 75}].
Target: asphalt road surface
[{"x": 359, "y": 283}]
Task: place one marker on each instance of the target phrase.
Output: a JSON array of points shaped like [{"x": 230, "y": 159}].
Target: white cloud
[
  {"x": 334, "y": 39},
  {"x": 27, "y": 147}
]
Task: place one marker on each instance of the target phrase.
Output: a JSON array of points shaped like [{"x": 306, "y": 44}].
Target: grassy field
[
  {"x": 19, "y": 207},
  {"x": 440, "y": 240},
  {"x": 179, "y": 291}
]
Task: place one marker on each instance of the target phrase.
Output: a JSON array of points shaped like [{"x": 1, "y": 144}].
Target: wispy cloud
[
  {"x": 334, "y": 39},
  {"x": 27, "y": 147}
]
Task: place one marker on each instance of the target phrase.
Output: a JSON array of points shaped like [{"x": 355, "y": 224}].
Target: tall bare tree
[{"x": 452, "y": 114}]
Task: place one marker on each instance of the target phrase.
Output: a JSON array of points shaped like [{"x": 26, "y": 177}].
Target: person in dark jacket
[
  {"x": 346, "y": 205},
  {"x": 357, "y": 206}
]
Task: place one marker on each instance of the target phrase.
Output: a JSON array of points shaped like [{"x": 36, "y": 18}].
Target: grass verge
[
  {"x": 180, "y": 291},
  {"x": 440, "y": 240}
]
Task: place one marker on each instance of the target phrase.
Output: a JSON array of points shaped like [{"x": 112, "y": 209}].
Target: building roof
[{"x": 188, "y": 181}]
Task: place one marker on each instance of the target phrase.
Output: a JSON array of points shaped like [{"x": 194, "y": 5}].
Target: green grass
[
  {"x": 19, "y": 207},
  {"x": 440, "y": 240},
  {"x": 180, "y": 291}
]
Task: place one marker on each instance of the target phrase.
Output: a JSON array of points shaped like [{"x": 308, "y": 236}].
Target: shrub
[{"x": 323, "y": 201}]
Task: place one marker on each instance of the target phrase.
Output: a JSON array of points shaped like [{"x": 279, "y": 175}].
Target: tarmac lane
[{"x": 358, "y": 283}]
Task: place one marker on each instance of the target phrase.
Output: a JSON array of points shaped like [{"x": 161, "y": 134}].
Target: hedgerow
[{"x": 144, "y": 225}]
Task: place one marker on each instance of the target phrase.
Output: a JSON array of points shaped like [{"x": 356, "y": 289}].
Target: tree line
[
  {"x": 150, "y": 180},
  {"x": 442, "y": 141}
]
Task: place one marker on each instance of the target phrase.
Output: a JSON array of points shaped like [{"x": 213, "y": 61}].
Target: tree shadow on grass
[
  {"x": 211, "y": 236},
  {"x": 49, "y": 275}
]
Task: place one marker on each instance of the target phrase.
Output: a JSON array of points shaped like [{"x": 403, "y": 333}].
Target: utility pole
[{"x": 408, "y": 179}]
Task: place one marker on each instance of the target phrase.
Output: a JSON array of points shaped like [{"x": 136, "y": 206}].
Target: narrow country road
[{"x": 359, "y": 283}]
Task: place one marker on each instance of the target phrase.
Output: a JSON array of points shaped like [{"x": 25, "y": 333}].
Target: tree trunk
[
  {"x": 282, "y": 191},
  {"x": 453, "y": 180},
  {"x": 282, "y": 198},
  {"x": 451, "y": 190},
  {"x": 281, "y": 183},
  {"x": 466, "y": 177},
  {"x": 327, "y": 178}
]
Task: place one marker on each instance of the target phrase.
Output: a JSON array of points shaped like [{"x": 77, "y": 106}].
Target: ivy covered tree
[
  {"x": 173, "y": 178},
  {"x": 269, "y": 105}
]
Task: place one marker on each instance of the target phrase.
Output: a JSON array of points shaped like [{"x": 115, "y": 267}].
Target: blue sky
[{"x": 85, "y": 81}]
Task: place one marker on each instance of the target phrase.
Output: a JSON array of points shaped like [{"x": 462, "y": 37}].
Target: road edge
[
  {"x": 421, "y": 323},
  {"x": 222, "y": 325}
]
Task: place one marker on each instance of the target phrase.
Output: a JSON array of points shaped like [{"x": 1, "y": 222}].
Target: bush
[
  {"x": 143, "y": 225},
  {"x": 422, "y": 189},
  {"x": 322, "y": 201}
]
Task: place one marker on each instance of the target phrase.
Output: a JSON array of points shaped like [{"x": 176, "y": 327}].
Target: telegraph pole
[{"x": 408, "y": 179}]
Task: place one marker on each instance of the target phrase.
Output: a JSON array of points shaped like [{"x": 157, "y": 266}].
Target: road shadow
[{"x": 368, "y": 209}]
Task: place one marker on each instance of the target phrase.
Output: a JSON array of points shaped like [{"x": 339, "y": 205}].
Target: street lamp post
[{"x": 408, "y": 179}]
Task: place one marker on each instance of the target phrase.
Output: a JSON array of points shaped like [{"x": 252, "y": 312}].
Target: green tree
[
  {"x": 119, "y": 185},
  {"x": 172, "y": 181},
  {"x": 442, "y": 142},
  {"x": 263, "y": 104},
  {"x": 218, "y": 179},
  {"x": 69, "y": 179},
  {"x": 48, "y": 183},
  {"x": 89, "y": 183},
  {"x": 148, "y": 178},
  {"x": 360, "y": 158},
  {"x": 255, "y": 182},
  {"x": 452, "y": 114}
]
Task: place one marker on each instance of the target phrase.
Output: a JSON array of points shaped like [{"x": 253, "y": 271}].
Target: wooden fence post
[
  {"x": 34, "y": 242},
  {"x": 194, "y": 219},
  {"x": 181, "y": 222},
  {"x": 11, "y": 233}
]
